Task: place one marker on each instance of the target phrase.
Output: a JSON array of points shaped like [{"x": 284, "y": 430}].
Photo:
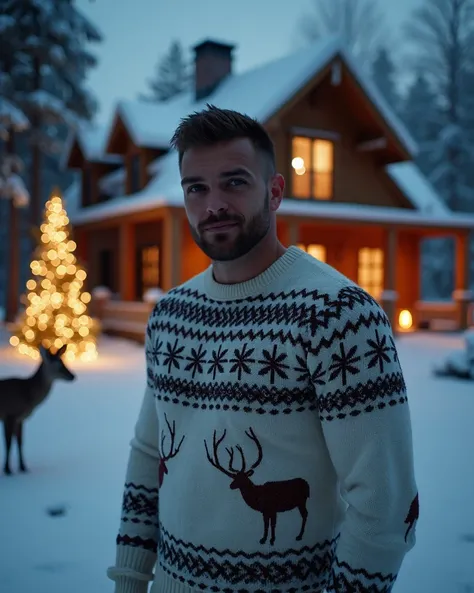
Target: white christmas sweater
[{"x": 273, "y": 450}]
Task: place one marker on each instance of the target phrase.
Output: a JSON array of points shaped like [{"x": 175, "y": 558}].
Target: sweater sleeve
[
  {"x": 137, "y": 540},
  {"x": 366, "y": 423}
]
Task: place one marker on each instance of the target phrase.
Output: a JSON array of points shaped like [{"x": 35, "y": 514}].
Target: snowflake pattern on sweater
[{"x": 273, "y": 450}]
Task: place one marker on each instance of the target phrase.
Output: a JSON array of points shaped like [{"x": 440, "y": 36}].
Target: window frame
[{"x": 313, "y": 136}]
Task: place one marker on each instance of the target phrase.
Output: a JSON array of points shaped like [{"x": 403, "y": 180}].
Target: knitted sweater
[{"x": 273, "y": 450}]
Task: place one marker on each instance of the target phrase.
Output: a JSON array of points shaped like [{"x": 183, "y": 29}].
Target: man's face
[{"x": 229, "y": 198}]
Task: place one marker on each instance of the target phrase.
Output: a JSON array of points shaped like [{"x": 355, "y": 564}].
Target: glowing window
[
  {"x": 371, "y": 271},
  {"x": 312, "y": 168}
]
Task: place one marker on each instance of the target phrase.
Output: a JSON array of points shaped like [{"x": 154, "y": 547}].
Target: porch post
[
  {"x": 127, "y": 262},
  {"x": 389, "y": 294},
  {"x": 172, "y": 239},
  {"x": 461, "y": 294}
]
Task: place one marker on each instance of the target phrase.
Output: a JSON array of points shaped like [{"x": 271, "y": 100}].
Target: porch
[{"x": 155, "y": 249}]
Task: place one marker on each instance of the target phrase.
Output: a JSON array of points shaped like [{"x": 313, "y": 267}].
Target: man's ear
[{"x": 277, "y": 189}]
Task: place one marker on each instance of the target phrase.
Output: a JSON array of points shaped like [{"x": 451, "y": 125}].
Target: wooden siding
[{"x": 358, "y": 178}]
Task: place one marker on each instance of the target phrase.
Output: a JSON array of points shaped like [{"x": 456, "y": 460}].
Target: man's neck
[{"x": 254, "y": 263}]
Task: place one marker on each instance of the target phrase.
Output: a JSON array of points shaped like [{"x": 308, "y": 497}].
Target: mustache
[{"x": 218, "y": 219}]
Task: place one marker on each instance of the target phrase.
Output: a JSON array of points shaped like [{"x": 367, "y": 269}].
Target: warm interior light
[
  {"x": 405, "y": 319},
  {"x": 297, "y": 162}
]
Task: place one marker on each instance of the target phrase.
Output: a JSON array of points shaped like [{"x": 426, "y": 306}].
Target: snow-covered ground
[{"x": 76, "y": 445}]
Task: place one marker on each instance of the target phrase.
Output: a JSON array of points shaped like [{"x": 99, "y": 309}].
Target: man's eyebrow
[
  {"x": 235, "y": 172},
  {"x": 239, "y": 171},
  {"x": 188, "y": 180}
]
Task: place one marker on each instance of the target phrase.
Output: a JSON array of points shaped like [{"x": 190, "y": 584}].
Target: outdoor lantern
[{"x": 405, "y": 320}]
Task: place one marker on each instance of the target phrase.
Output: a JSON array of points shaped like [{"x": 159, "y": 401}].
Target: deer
[
  {"x": 164, "y": 458},
  {"x": 269, "y": 498},
  {"x": 19, "y": 397}
]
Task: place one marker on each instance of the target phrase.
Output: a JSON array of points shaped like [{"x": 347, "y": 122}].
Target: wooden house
[{"x": 354, "y": 197}]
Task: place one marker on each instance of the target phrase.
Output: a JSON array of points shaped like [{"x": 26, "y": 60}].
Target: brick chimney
[{"x": 213, "y": 62}]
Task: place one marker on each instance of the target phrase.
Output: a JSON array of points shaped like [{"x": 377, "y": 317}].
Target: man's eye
[
  {"x": 236, "y": 182},
  {"x": 192, "y": 189}
]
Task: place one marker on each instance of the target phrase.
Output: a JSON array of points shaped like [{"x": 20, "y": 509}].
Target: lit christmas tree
[{"x": 56, "y": 306}]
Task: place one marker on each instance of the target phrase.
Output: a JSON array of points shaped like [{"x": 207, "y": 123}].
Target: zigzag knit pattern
[
  {"x": 307, "y": 564},
  {"x": 266, "y": 401},
  {"x": 139, "y": 508},
  {"x": 346, "y": 579}
]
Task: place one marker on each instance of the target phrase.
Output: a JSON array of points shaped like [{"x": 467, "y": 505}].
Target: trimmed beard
[{"x": 221, "y": 248}]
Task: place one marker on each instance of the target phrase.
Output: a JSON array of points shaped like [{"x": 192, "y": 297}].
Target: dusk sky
[{"x": 138, "y": 32}]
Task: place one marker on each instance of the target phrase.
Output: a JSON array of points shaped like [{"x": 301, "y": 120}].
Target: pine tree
[
  {"x": 420, "y": 112},
  {"x": 383, "y": 74},
  {"x": 51, "y": 62},
  {"x": 359, "y": 23},
  {"x": 468, "y": 116},
  {"x": 12, "y": 119},
  {"x": 56, "y": 306},
  {"x": 172, "y": 76},
  {"x": 441, "y": 32}
]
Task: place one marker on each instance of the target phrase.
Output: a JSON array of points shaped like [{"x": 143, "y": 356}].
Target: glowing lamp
[
  {"x": 297, "y": 163},
  {"x": 405, "y": 319}
]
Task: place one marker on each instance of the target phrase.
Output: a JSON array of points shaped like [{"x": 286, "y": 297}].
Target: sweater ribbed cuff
[
  {"x": 129, "y": 585},
  {"x": 133, "y": 570}
]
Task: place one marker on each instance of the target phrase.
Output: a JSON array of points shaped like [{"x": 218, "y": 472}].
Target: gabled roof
[
  {"x": 90, "y": 139},
  {"x": 151, "y": 125},
  {"x": 260, "y": 93}
]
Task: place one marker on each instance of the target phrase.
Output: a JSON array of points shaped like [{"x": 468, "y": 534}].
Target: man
[{"x": 273, "y": 450}]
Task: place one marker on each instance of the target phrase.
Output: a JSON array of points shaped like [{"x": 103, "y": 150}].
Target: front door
[{"x": 148, "y": 268}]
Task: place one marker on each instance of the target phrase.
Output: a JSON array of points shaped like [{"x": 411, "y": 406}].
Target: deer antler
[
  {"x": 231, "y": 459},
  {"x": 173, "y": 452},
  {"x": 250, "y": 433},
  {"x": 214, "y": 461}
]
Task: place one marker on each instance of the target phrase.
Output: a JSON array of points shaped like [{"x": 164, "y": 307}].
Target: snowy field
[{"x": 76, "y": 446}]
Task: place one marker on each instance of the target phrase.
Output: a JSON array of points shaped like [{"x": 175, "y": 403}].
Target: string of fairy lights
[{"x": 56, "y": 305}]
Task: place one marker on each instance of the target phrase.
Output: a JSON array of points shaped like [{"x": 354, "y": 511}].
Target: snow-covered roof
[
  {"x": 259, "y": 92},
  {"x": 91, "y": 139},
  {"x": 315, "y": 210},
  {"x": 114, "y": 182},
  {"x": 417, "y": 188},
  {"x": 363, "y": 213},
  {"x": 151, "y": 125}
]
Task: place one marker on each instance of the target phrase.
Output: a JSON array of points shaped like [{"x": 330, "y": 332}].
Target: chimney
[{"x": 213, "y": 62}]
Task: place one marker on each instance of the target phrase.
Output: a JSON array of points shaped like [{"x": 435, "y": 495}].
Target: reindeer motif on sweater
[{"x": 270, "y": 498}]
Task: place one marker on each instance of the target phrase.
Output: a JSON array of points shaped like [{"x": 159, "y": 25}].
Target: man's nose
[{"x": 216, "y": 205}]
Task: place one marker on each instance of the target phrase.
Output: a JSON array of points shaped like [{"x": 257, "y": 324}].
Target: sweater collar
[{"x": 254, "y": 286}]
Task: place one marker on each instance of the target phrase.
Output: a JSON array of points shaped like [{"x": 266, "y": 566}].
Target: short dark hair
[{"x": 213, "y": 125}]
